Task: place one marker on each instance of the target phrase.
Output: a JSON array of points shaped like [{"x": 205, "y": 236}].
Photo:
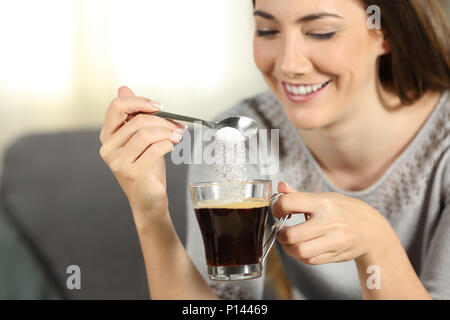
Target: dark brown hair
[{"x": 419, "y": 60}]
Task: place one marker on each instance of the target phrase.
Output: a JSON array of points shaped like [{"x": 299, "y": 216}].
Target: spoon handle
[{"x": 180, "y": 117}]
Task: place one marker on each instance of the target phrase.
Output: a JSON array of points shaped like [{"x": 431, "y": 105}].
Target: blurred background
[{"x": 61, "y": 63}]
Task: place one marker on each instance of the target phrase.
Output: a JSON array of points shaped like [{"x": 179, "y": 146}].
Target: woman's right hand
[{"x": 134, "y": 147}]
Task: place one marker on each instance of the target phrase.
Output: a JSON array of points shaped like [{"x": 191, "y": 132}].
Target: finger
[
  {"x": 121, "y": 107},
  {"x": 305, "y": 231},
  {"x": 153, "y": 154},
  {"x": 124, "y": 91},
  {"x": 119, "y": 110},
  {"x": 112, "y": 145},
  {"x": 296, "y": 202},
  {"x": 178, "y": 124},
  {"x": 310, "y": 249},
  {"x": 285, "y": 188},
  {"x": 133, "y": 115},
  {"x": 145, "y": 138},
  {"x": 328, "y": 257}
]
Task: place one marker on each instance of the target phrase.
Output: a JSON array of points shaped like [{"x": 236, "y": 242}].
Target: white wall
[{"x": 61, "y": 61}]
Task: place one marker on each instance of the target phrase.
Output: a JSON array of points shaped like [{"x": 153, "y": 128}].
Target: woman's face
[{"x": 318, "y": 56}]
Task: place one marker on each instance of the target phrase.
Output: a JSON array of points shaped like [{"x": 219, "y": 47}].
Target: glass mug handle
[{"x": 276, "y": 228}]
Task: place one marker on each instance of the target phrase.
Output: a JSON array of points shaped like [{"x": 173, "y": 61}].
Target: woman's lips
[{"x": 303, "y": 97}]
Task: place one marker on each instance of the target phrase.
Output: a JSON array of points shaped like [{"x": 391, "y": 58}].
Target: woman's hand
[
  {"x": 338, "y": 228},
  {"x": 134, "y": 143}
]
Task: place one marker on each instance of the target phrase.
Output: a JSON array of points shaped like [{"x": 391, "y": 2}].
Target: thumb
[
  {"x": 125, "y": 92},
  {"x": 285, "y": 188}
]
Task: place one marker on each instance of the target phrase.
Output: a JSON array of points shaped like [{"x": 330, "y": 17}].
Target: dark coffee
[{"x": 232, "y": 233}]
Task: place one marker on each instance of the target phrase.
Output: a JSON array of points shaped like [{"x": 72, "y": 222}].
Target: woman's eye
[
  {"x": 322, "y": 36},
  {"x": 266, "y": 33}
]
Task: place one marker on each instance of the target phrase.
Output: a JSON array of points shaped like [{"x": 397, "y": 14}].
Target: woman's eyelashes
[
  {"x": 322, "y": 36},
  {"x": 266, "y": 33},
  {"x": 319, "y": 36}
]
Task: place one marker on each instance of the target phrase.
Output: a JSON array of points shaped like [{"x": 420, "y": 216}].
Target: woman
[{"x": 364, "y": 131}]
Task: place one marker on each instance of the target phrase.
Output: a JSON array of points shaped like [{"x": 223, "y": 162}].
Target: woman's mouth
[{"x": 298, "y": 92}]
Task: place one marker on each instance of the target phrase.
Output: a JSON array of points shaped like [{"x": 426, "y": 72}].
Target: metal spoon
[{"x": 245, "y": 125}]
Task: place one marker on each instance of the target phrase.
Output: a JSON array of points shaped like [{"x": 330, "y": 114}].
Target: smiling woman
[
  {"x": 399, "y": 68},
  {"x": 339, "y": 87},
  {"x": 405, "y": 62},
  {"x": 297, "y": 53}
]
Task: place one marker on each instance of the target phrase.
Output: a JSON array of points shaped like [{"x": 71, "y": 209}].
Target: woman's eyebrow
[{"x": 307, "y": 18}]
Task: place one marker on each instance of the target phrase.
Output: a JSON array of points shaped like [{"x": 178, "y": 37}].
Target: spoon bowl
[{"x": 245, "y": 125}]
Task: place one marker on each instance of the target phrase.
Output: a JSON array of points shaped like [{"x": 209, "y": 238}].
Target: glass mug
[{"x": 233, "y": 227}]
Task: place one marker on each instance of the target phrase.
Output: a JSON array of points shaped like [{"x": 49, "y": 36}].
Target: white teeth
[{"x": 304, "y": 90}]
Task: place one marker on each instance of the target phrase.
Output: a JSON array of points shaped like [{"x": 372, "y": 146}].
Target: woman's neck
[{"x": 357, "y": 150}]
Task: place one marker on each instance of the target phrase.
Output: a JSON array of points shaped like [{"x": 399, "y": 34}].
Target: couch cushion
[
  {"x": 21, "y": 276},
  {"x": 63, "y": 197}
]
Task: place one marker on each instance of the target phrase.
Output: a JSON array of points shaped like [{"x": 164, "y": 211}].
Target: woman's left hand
[{"x": 337, "y": 228}]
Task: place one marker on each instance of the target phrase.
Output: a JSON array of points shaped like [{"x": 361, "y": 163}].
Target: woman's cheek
[
  {"x": 335, "y": 57},
  {"x": 354, "y": 55},
  {"x": 345, "y": 61},
  {"x": 263, "y": 55}
]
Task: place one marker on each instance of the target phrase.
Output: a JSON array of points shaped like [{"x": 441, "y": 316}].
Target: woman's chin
[{"x": 307, "y": 119}]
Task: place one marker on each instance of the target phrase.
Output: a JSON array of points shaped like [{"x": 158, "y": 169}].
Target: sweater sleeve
[
  {"x": 435, "y": 274},
  {"x": 436, "y": 269}
]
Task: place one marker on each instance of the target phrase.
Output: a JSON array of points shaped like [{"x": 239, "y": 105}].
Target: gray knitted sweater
[{"x": 413, "y": 195}]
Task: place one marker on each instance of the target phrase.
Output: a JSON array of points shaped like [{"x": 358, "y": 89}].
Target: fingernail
[
  {"x": 181, "y": 125},
  {"x": 155, "y": 106},
  {"x": 176, "y": 137},
  {"x": 180, "y": 130}
]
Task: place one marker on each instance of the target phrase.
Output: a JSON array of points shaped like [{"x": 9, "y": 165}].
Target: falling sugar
[
  {"x": 230, "y": 152},
  {"x": 230, "y": 155}
]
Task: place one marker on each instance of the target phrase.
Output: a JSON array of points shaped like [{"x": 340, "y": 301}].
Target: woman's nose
[{"x": 293, "y": 60}]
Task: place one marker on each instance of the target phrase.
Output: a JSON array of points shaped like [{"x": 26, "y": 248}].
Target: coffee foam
[{"x": 249, "y": 203}]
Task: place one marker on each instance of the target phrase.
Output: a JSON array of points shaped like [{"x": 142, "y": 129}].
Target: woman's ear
[
  {"x": 386, "y": 43},
  {"x": 382, "y": 39}
]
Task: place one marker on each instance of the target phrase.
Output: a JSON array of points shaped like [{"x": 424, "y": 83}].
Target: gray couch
[{"x": 66, "y": 208}]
